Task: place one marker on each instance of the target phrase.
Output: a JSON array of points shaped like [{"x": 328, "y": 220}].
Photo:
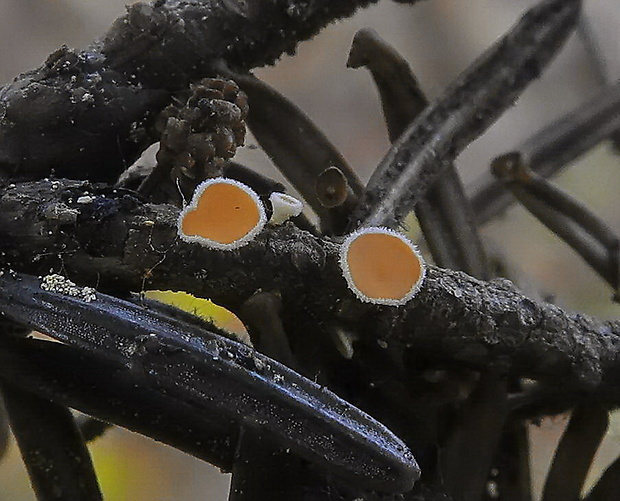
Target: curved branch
[{"x": 85, "y": 115}]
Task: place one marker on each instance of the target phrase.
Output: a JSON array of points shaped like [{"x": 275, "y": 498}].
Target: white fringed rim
[
  {"x": 344, "y": 266},
  {"x": 213, "y": 244}
]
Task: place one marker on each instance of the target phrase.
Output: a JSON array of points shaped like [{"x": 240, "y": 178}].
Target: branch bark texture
[
  {"x": 84, "y": 115},
  {"x": 98, "y": 236}
]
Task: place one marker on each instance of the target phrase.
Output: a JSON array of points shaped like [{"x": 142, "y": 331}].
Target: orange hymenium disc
[
  {"x": 381, "y": 266},
  {"x": 223, "y": 214}
]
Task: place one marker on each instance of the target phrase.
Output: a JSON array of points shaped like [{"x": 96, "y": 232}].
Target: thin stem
[
  {"x": 264, "y": 472},
  {"x": 92, "y": 428},
  {"x": 555, "y": 147},
  {"x": 298, "y": 149},
  {"x": 575, "y": 452},
  {"x": 608, "y": 486},
  {"x": 478, "y": 427},
  {"x": 510, "y": 476},
  {"x": 53, "y": 450},
  {"x": 4, "y": 431}
]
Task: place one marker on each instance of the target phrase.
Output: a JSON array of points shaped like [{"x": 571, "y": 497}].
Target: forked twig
[
  {"x": 554, "y": 147},
  {"x": 572, "y": 221},
  {"x": 466, "y": 109}
]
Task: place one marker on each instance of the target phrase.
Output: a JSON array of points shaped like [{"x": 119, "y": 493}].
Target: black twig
[
  {"x": 53, "y": 450},
  {"x": 225, "y": 378},
  {"x": 453, "y": 318},
  {"x": 445, "y": 215},
  {"x": 4, "y": 431},
  {"x": 478, "y": 428},
  {"x": 572, "y": 221},
  {"x": 265, "y": 472},
  {"x": 593, "y": 42},
  {"x": 402, "y": 98},
  {"x": 466, "y": 109},
  {"x": 575, "y": 452},
  {"x": 98, "y": 102},
  {"x": 554, "y": 147},
  {"x": 113, "y": 393},
  {"x": 298, "y": 149},
  {"x": 92, "y": 428},
  {"x": 510, "y": 477}
]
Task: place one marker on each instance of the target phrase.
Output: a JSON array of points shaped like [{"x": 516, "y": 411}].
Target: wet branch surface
[{"x": 98, "y": 236}]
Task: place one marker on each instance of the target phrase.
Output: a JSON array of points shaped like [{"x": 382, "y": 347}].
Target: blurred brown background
[{"x": 439, "y": 38}]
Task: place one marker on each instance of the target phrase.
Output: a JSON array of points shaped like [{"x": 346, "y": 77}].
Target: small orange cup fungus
[
  {"x": 224, "y": 214},
  {"x": 382, "y": 266}
]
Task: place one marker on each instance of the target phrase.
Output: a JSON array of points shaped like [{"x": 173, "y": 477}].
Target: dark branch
[
  {"x": 574, "y": 455},
  {"x": 445, "y": 215},
  {"x": 53, "y": 450},
  {"x": 225, "y": 379},
  {"x": 83, "y": 114},
  {"x": 568, "y": 218},
  {"x": 114, "y": 393},
  {"x": 299, "y": 149},
  {"x": 465, "y": 110},
  {"x": 110, "y": 239},
  {"x": 554, "y": 147}
]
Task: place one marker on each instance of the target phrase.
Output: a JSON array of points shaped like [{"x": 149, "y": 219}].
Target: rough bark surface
[
  {"x": 85, "y": 115},
  {"x": 109, "y": 238}
]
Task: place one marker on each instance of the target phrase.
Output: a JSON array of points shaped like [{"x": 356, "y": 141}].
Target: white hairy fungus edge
[
  {"x": 344, "y": 266},
  {"x": 212, "y": 244}
]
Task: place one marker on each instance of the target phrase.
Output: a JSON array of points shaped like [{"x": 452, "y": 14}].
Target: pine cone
[{"x": 201, "y": 135}]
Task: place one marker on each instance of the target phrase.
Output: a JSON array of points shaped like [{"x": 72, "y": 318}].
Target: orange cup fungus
[
  {"x": 382, "y": 266},
  {"x": 223, "y": 214}
]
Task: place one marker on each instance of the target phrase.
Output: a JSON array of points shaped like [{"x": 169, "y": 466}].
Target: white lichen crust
[
  {"x": 62, "y": 285},
  {"x": 344, "y": 266},
  {"x": 213, "y": 244}
]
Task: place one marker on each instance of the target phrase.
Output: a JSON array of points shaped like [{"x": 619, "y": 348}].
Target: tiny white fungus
[{"x": 284, "y": 207}]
